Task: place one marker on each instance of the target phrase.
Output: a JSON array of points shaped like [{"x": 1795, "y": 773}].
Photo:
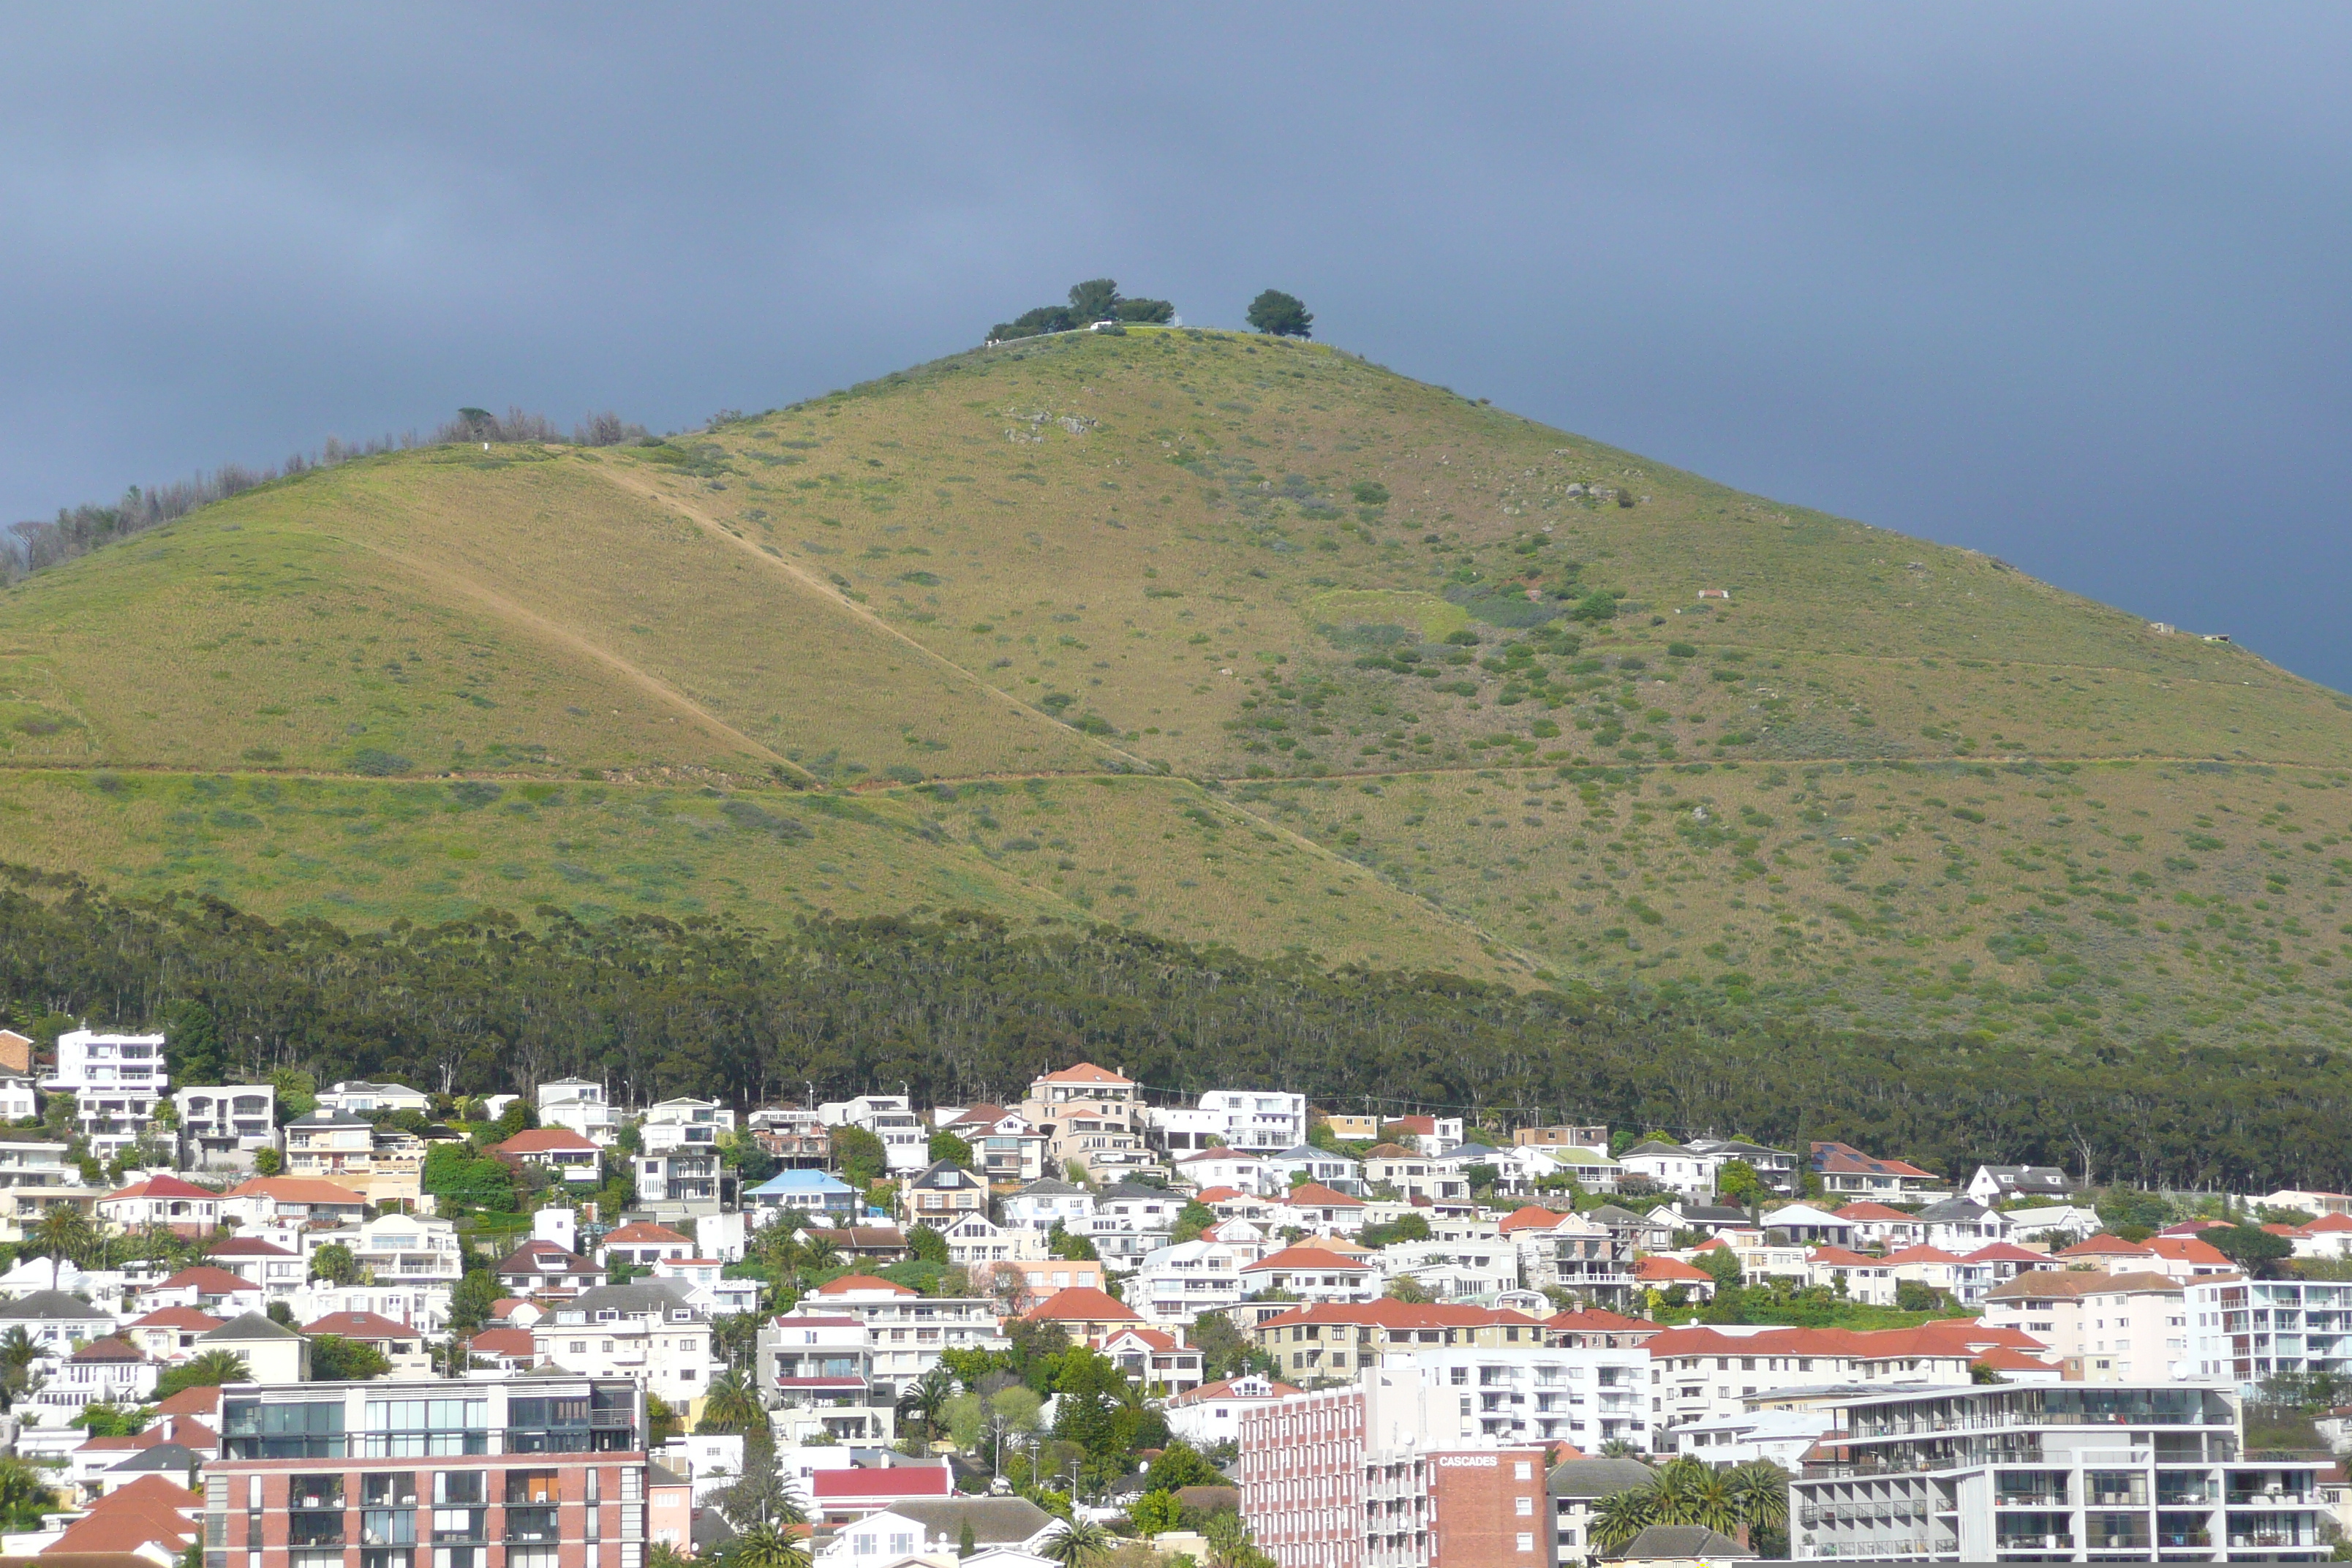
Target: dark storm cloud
[{"x": 2066, "y": 284}]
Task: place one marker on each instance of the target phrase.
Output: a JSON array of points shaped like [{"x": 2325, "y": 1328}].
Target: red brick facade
[{"x": 1317, "y": 1495}]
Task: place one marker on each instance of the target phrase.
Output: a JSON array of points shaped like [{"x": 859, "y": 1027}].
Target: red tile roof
[
  {"x": 204, "y": 1282},
  {"x": 361, "y": 1326},
  {"x": 1314, "y": 1194},
  {"x": 1306, "y": 1254},
  {"x": 1082, "y": 1304},
  {"x": 161, "y": 1187},
  {"x": 2105, "y": 1246},
  {"x": 1669, "y": 1271},
  {"x": 502, "y": 1343},
  {"x": 204, "y": 1399},
  {"x": 545, "y": 1141},
  {"x": 297, "y": 1190},
  {"x": 1592, "y": 1319},
  {"x": 1223, "y": 1389},
  {"x": 187, "y": 1318},
  {"x": 645, "y": 1232},
  {"x": 1945, "y": 1337},
  {"x": 246, "y": 1247},
  {"x": 2188, "y": 1249},
  {"x": 2004, "y": 1252},
  {"x": 1086, "y": 1072},
  {"x": 1869, "y": 1210},
  {"x": 1926, "y": 1255},
  {"x": 1530, "y": 1219},
  {"x": 1385, "y": 1313}
]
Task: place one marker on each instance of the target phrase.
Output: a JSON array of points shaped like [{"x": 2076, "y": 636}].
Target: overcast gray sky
[{"x": 2063, "y": 283}]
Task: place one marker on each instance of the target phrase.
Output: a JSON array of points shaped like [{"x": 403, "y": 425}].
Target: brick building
[
  {"x": 1386, "y": 1473},
  {"x": 543, "y": 1473}
]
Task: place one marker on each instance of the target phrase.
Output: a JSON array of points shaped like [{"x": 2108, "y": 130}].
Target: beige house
[
  {"x": 646, "y": 1331},
  {"x": 272, "y": 1351},
  {"x": 383, "y": 1166},
  {"x": 1089, "y": 1115}
]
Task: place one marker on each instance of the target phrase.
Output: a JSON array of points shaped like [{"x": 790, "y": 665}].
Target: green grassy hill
[{"x": 1228, "y": 639}]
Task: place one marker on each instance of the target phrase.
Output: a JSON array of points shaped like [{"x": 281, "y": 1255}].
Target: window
[
  {"x": 1525, "y": 1507},
  {"x": 1527, "y": 1541}
]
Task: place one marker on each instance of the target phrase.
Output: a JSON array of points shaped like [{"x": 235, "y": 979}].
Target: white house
[
  {"x": 1264, "y": 1121},
  {"x": 1316, "y": 1209},
  {"x": 647, "y": 1330},
  {"x": 1223, "y": 1168},
  {"x": 1212, "y": 1412},
  {"x": 1311, "y": 1274},
  {"x": 1175, "y": 1284},
  {"x": 580, "y": 1105},
  {"x": 1041, "y": 1206},
  {"x": 1453, "y": 1270},
  {"x": 357, "y": 1097},
  {"x": 1670, "y": 1166},
  {"x": 1304, "y": 1162}
]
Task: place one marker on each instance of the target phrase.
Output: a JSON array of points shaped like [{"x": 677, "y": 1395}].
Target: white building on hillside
[{"x": 115, "y": 1080}]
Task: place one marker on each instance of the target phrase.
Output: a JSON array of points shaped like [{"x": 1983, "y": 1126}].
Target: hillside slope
[{"x": 1231, "y": 638}]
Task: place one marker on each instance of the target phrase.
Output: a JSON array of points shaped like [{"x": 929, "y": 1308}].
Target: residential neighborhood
[{"x": 1358, "y": 1341}]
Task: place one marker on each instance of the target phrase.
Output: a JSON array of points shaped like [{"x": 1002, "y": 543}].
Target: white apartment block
[
  {"x": 115, "y": 1080},
  {"x": 907, "y": 1331},
  {"x": 646, "y": 1331},
  {"x": 1509, "y": 1394},
  {"x": 1264, "y": 1121},
  {"x": 1176, "y": 1284},
  {"x": 2241, "y": 1331},
  {"x": 1465, "y": 1270}
]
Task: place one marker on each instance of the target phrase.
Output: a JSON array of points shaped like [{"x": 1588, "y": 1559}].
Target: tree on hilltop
[{"x": 1281, "y": 315}]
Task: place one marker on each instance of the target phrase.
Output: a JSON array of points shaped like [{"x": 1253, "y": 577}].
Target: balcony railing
[{"x": 530, "y": 1526}]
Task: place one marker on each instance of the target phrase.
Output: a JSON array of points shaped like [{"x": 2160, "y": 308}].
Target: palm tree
[
  {"x": 765, "y": 1545},
  {"x": 820, "y": 1251},
  {"x": 208, "y": 1370},
  {"x": 1621, "y": 1516},
  {"x": 24, "y": 1495},
  {"x": 1761, "y": 1487},
  {"x": 1710, "y": 1501},
  {"x": 732, "y": 1405},
  {"x": 1079, "y": 1543},
  {"x": 927, "y": 1397},
  {"x": 18, "y": 1354},
  {"x": 65, "y": 1232}
]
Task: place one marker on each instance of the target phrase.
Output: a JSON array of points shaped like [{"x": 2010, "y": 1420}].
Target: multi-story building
[
  {"x": 1407, "y": 1174},
  {"x": 1091, "y": 1116},
  {"x": 1043, "y": 1204},
  {"x": 2063, "y": 1472},
  {"x": 1526, "y": 1393},
  {"x": 332, "y": 1145},
  {"x": 1265, "y": 1121},
  {"x": 1465, "y": 1270},
  {"x": 906, "y": 1137},
  {"x": 545, "y": 1472},
  {"x": 1311, "y": 1344},
  {"x": 1776, "y": 1166},
  {"x": 1570, "y": 1252},
  {"x": 941, "y": 1194},
  {"x": 793, "y": 1136},
  {"x": 909, "y": 1331},
  {"x": 34, "y": 1179},
  {"x": 684, "y": 1181},
  {"x": 1320, "y": 1166},
  {"x": 1176, "y": 1284},
  {"x": 2101, "y": 1328},
  {"x": 818, "y": 1367},
  {"x": 566, "y": 1155},
  {"x": 1382, "y": 1473},
  {"x": 581, "y": 1106},
  {"x": 1710, "y": 1373},
  {"x": 396, "y": 1248},
  {"x": 2242, "y": 1331},
  {"x": 685, "y": 1123},
  {"x": 1845, "y": 1172},
  {"x": 646, "y": 1331},
  {"x": 221, "y": 1128},
  {"x": 115, "y": 1080},
  {"x": 813, "y": 1195}
]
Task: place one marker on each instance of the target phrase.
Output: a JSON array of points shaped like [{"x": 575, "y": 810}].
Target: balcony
[
  {"x": 388, "y": 1527},
  {"x": 534, "y": 1526},
  {"x": 314, "y": 1529}
]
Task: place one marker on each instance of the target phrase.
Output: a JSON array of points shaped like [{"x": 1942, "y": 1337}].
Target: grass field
[{"x": 1219, "y": 638}]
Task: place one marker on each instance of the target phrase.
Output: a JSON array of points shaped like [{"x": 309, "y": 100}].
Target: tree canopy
[
  {"x": 1096, "y": 299},
  {"x": 1282, "y": 315}
]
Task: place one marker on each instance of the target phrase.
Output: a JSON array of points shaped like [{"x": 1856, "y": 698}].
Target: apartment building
[
  {"x": 1465, "y": 1270},
  {"x": 1380, "y": 1473},
  {"x": 2065, "y": 1472},
  {"x": 546, "y": 1471},
  {"x": 1089, "y": 1115},
  {"x": 1264, "y": 1121},
  {"x": 2101, "y": 1328},
  {"x": 795, "y": 1136},
  {"x": 906, "y": 1137},
  {"x": 1710, "y": 1373},
  {"x": 819, "y": 1369},
  {"x": 1176, "y": 1284},
  {"x": 909, "y": 1331},
  {"x": 35, "y": 1178},
  {"x": 685, "y": 1123},
  {"x": 223, "y": 1127},
  {"x": 357, "y": 1097},
  {"x": 396, "y": 1248},
  {"x": 1309, "y": 1343},
  {"x": 2241, "y": 1331},
  {"x": 115, "y": 1080},
  {"x": 1534, "y": 1394},
  {"x": 941, "y": 1194},
  {"x": 1570, "y": 1252},
  {"x": 646, "y": 1331},
  {"x": 684, "y": 1181},
  {"x": 352, "y": 1153}
]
